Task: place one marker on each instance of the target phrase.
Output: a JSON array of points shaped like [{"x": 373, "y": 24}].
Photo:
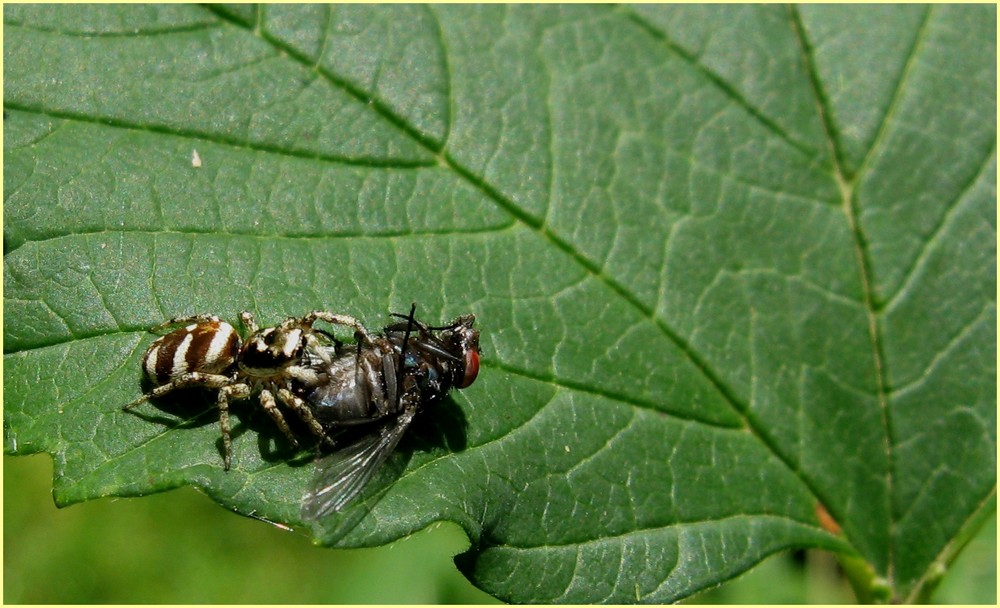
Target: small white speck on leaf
[{"x": 195, "y": 159}]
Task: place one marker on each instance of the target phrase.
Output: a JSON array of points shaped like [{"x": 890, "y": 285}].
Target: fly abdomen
[{"x": 345, "y": 393}]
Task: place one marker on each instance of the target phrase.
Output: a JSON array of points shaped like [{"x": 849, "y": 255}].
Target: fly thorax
[{"x": 424, "y": 372}]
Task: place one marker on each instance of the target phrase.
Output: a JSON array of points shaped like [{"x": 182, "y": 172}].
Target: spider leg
[
  {"x": 202, "y": 318},
  {"x": 235, "y": 392},
  {"x": 267, "y": 400},
  {"x": 360, "y": 333},
  {"x": 185, "y": 380},
  {"x": 319, "y": 349},
  {"x": 304, "y": 413},
  {"x": 249, "y": 321}
]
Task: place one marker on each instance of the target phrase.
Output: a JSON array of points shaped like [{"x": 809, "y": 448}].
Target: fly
[{"x": 385, "y": 381}]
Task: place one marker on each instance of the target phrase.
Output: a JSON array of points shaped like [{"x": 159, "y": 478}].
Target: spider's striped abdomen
[{"x": 208, "y": 346}]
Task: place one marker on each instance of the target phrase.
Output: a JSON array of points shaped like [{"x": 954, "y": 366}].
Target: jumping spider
[{"x": 208, "y": 353}]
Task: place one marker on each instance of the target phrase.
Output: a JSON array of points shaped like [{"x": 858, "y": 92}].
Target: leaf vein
[
  {"x": 935, "y": 235},
  {"x": 954, "y": 343},
  {"x": 599, "y": 392},
  {"x": 897, "y": 95},
  {"x": 718, "y": 81},
  {"x": 222, "y": 140},
  {"x": 164, "y": 30},
  {"x": 648, "y": 529}
]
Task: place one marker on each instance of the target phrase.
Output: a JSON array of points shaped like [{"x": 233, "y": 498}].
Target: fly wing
[{"x": 341, "y": 475}]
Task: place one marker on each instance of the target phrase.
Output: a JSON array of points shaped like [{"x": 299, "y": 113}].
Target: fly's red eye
[{"x": 471, "y": 368}]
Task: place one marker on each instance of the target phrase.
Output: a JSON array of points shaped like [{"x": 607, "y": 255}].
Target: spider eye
[{"x": 471, "y": 368}]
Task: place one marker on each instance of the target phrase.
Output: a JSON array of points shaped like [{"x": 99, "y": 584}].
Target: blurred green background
[{"x": 179, "y": 547}]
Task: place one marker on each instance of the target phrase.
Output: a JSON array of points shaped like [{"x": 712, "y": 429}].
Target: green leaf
[{"x": 734, "y": 267}]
